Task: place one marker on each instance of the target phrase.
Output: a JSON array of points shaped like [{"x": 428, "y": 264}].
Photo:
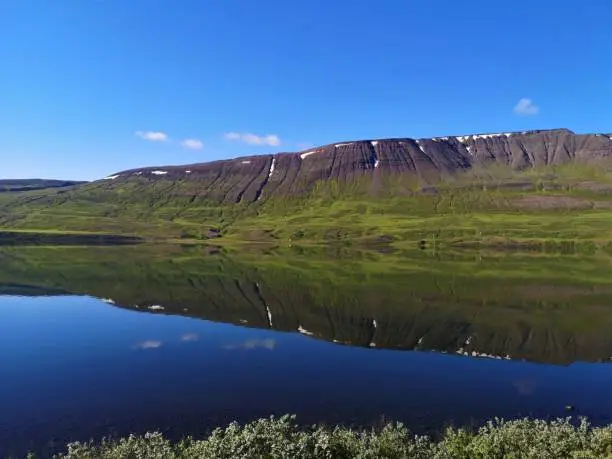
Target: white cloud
[
  {"x": 192, "y": 144},
  {"x": 149, "y": 344},
  {"x": 526, "y": 107},
  {"x": 269, "y": 344},
  {"x": 232, "y": 136},
  {"x": 152, "y": 136},
  {"x": 252, "y": 139},
  {"x": 190, "y": 337}
]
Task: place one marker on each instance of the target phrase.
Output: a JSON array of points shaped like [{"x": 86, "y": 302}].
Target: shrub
[{"x": 283, "y": 438}]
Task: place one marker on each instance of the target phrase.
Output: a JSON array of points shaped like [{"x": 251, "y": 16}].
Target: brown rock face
[{"x": 248, "y": 179}]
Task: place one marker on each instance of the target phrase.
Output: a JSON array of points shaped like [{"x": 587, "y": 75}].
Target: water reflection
[
  {"x": 553, "y": 309},
  {"x": 269, "y": 344},
  {"x": 190, "y": 337},
  {"x": 148, "y": 344},
  {"x": 327, "y": 336}
]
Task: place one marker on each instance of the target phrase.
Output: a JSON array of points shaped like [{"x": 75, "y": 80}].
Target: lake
[{"x": 99, "y": 341}]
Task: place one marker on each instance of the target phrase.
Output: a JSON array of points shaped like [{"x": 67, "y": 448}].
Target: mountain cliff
[
  {"x": 424, "y": 161},
  {"x": 354, "y": 191}
]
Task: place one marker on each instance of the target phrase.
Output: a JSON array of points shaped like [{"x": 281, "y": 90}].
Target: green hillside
[{"x": 568, "y": 204}]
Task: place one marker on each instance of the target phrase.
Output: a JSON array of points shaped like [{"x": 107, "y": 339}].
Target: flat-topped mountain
[
  {"x": 34, "y": 184},
  {"x": 352, "y": 190},
  {"x": 248, "y": 179}
]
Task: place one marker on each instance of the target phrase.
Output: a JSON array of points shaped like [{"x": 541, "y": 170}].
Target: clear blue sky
[{"x": 90, "y": 87}]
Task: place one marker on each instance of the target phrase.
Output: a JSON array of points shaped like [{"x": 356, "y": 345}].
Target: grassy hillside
[{"x": 568, "y": 204}]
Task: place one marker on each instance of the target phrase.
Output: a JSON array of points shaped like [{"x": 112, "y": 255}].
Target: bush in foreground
[{"x": 283, "y": 438}]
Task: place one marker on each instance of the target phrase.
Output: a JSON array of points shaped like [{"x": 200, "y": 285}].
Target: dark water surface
[{"x": 109, "y": 341}]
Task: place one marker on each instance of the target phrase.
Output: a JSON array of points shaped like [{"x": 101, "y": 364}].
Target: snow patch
[
  {"x": 374, "y": 143},
  {"x": 342, "y": 144},
  {"x": 418, "y": 142},
  {"x": 303, "y": 331},
  {"x": 268, "y": 312},
  {"x": 420, "y": 341},
  {"x": 308, "y": 153},
  {"x": 246, "y": 162},
  {"x": 438, "y": 139},
  {"x": 376, "y": 164},
  {"x": 156, "y": 307},
  {"x": 159, "y": 172},
  {"x": 138, "y": 173},
  {"x": 107, "y": 300},
  {"x": 463, "y": 138},
  {"x": 374, "y": 323},
  {"x": 469, "y": 149},
  {"x": 272, "y": 167},
  {"x": 490, "y": 136},
  {"x": 187, "y": 172},
  {"x": 111, "y": 177},
  {"x": 465, "y": 353}
]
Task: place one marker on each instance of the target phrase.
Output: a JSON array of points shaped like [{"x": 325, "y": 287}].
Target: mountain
[
  {"x": 512, "y": 188},
  {"x": 34, "y": 184},
  {"x": 424, "y": 161}
]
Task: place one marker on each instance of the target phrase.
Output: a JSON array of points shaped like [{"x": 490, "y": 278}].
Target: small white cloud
[
  {"x": 190, "y": 337},
  {"x": 526, "y": 107},
  {"x": 152, "y": 136},
  {"x": 269, "y": 344},
  {"x": 149, "y": 344},
  {"x": 232, "y": 136},
  {"x": 252, "y": 139},
  {"x": 192, "y": 144}
]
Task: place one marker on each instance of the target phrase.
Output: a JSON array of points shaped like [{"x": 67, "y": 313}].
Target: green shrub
[{"x": 283, "y": 438}]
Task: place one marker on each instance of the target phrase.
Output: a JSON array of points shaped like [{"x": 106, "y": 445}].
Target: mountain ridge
[
  {"x": 516, "y": 188},
  {"x": 35, "y": 184},
  {"x": 426, "y": 160}
]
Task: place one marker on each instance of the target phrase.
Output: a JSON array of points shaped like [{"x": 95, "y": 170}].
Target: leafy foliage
[{"x": 283, "y": 438}]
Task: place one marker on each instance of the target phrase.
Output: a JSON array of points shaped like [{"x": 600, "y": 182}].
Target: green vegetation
[
  {"x": 547, "y": 208},
  {"x": 283, "y": 438}
]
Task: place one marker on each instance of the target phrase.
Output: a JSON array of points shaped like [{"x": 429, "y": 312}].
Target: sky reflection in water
[{"x": 74, "y": 367}]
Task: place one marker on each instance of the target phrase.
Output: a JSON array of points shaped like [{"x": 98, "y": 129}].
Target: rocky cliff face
[{"x": 249, "y": 179}]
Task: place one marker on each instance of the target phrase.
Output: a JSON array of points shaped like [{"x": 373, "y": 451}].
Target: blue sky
[{"x": 91, "y": 87}]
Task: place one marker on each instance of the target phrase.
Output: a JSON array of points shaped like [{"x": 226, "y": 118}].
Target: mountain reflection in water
[
  {"x": 552, "y": 309},
  {"x": 117, "y": 340}
]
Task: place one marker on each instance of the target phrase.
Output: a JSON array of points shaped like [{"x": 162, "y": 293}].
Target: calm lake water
[{"x": 109, "y": 341}]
